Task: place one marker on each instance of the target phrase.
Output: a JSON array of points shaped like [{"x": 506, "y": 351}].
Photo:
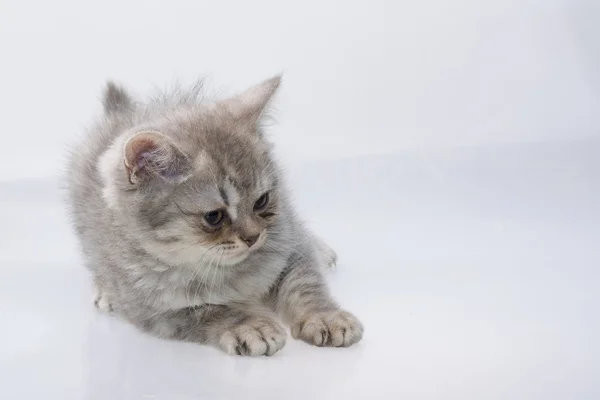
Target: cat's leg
[
  {"x": 302, "y": 298},
  {"x": 236, "y": 330},
  {"x": 101, "y": 297}
]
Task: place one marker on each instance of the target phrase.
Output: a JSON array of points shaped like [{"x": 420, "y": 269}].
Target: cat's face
[
  {"x": 204, "y": 189},
  {"x": 226, "y": 210}
]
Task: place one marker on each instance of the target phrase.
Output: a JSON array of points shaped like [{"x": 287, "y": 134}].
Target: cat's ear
[
  {"x": 250, "y": 105},
  {"x": 151, "y": 155},
  {"x": 116, "y": 99}
]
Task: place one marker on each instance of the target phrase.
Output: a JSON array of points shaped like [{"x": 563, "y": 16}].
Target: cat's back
[{"x": 84, "y": 181}]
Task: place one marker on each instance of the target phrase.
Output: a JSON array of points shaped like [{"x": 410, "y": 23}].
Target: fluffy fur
[{"x": 147, "y": 184}]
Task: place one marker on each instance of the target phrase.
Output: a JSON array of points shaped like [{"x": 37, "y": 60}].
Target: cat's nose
[{"x": 250, "y": 240}]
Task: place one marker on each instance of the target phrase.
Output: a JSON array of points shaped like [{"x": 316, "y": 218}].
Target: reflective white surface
[{"x": 475, "y": 272}]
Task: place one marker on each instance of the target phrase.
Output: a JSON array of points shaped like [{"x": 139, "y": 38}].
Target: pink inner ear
[
  {"x": 152, "y": 155},
  {"x": 136, "y": 151}
]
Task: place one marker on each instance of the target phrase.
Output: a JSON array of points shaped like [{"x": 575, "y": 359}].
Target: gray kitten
[{"x": 187, "y": 228}]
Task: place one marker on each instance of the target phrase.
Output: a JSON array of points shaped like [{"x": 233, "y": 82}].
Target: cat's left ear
[
  {"x": 250, "y": 105},
  {"x": 151, "y": 156}
]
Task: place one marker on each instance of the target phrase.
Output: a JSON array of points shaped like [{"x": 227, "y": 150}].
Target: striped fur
[{"x": 141, "y": 185}]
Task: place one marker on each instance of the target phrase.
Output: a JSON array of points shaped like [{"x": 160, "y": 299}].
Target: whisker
[{"x": 194, "y": 275}]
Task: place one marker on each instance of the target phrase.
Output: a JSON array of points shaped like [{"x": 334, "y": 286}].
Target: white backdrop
[
  {"x": 360, "y": 76},
  {"x": 469, "y": 250}
]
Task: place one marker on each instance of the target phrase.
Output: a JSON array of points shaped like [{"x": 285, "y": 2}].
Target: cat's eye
[
  {"x": 262, "y": 202},
  {"x": 214, "y": 218}
]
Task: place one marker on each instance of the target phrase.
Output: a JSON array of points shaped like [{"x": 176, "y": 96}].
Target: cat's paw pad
[
  {"x": 334, "y": 328},
  {"x": 255, "y": 337}
]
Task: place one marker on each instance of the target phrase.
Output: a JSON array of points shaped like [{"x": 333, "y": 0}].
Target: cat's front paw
[
  {"x": 255, "y": 337},
  {"x": 334, "y": 328}
]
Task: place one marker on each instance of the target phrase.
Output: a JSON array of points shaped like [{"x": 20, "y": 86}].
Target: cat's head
[{"x": 198, "y": 183}]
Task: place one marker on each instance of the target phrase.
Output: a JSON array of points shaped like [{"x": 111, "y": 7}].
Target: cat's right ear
[
  {"x": 150, "y": 156},
  {"x": 249, "y": 106},
  {"x": 116, "y": 99}
]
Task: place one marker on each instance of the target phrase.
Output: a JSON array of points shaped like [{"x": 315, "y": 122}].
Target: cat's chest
[{"x": 218, "y": 286}]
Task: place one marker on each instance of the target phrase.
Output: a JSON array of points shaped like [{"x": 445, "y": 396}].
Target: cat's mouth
[
  {"x": 233, "y": 256},
  {"x": 234, "y": 253}
]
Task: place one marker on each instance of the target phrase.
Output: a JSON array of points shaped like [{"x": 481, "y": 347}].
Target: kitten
[{"x": 187, "y": 228}]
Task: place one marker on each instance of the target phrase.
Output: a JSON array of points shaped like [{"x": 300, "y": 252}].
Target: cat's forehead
[
  {"x": 229, "y": 159},
  {"x": 243, "y": 159},
  {"x": 232, "y": 180}
]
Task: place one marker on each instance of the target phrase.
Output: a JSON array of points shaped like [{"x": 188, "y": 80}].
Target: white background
[
  {"x": 448, "y": 150},
  {"x": 360, "y": 76}
]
